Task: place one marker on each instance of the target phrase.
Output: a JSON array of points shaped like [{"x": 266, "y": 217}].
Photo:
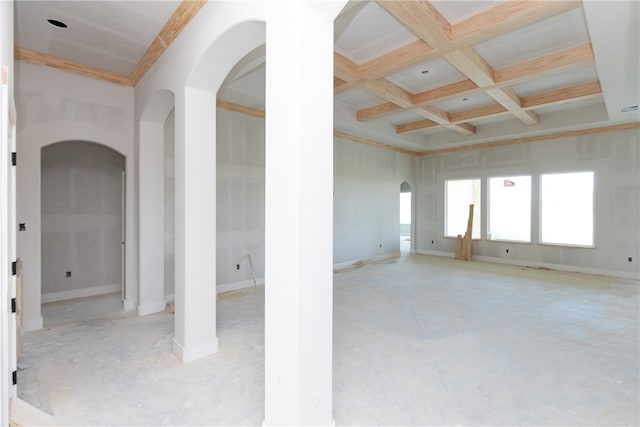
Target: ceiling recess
[{"x": 56, "y": 23}]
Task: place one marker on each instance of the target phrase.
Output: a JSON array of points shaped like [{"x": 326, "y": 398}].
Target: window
[
  {"x": 566, "y": 209},
  {"x": 510, "y": 208},
  {"x": 459, "y": 194}
]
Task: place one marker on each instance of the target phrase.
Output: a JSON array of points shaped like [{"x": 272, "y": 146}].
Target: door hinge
[
  {"x": 14, "y": 377},
  {"x": 13, "y": 305},
  {"x": 14, "y": 158},
  {"x": 14, "y": 268}
]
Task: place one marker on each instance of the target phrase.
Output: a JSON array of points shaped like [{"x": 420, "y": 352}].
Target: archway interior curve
[{"x": 82, "y": 220}]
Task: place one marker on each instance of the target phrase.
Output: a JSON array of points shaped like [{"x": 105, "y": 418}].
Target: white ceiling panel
[
  {"x": 361, "y": 41},
  {"x": 457, "y": 11},
  {"x": 581, "y": 75},
  {"x": 356, "y": 99},
  {"x": 553, "y": 34},
  {"x": 112, "y": 35},
  {"x": 466, "y": 102},
  {"x": 429, "y": 75}
]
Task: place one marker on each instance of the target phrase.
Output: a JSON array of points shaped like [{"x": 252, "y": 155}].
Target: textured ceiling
[
  {"x": 414, "y": 75},
  {"x": 112, "y": 35}
]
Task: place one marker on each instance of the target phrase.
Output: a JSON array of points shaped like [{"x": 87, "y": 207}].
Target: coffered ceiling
[{"x": 414, "y": 76}]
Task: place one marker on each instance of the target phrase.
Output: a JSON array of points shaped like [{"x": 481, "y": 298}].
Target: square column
[
  {"x": 151, "y": 218},
  {"x": 195, "y": 218},
  {"x": 299, "y": 215}
]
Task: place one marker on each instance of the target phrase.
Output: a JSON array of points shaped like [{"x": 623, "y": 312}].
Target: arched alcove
[{"x": 82, "y": 220}]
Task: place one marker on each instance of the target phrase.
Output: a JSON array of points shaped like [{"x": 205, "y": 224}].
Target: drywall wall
[
  {"x": 240, "y": 198},
  {"x": 366, "y": 207},
  {"x": 169, "y": 205},
  {"x": 614, "y": 157},
  {"x": 366, "y": 199},
  {"x": 81, "y": 200},
  {"x": 55, "y": 106}
]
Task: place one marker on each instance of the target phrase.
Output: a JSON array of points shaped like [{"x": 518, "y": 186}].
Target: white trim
[
  {"x": 169, "y": 298},
  {"x": 80, "y": 293},
  {"x": 150, "y": 308},
  {"x": 194, "y": 352},
  {"x": 347, "y": 265},
  {"x": 233, "y": 286},
  {"x": 32, "y": 324},
  {"x": 538, "y": 264}
]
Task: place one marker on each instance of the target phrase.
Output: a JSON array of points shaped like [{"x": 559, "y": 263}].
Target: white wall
[
  {"x": 366, "y": 200},
  {"x": 55, "y": 106},
  {"x": 81, "y": 220},
  {"x": 169, "y": 204},
  {"x": 615, "y": 159},
  {"x": 240, "y": 197}
]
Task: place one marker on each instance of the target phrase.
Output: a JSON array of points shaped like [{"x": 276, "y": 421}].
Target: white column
[
  {"x": 299, "y": 215},
  {"x": 151, "y": 218},
  {"x": 195, "y": 203}
]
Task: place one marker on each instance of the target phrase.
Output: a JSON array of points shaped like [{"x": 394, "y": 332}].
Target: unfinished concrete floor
[{"x": 423, "y": 341}]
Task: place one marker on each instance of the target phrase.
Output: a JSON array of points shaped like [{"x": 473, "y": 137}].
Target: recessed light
[
  {"x": 56, "y": 23},
  {"x": 629, "y": 109}
]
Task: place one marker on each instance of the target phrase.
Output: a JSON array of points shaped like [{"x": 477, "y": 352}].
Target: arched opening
[
  {"x": 406, "y": 217},
  {"x": 83, "y": 224}
]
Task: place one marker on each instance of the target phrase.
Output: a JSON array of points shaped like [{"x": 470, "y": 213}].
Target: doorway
[
  {"x": 82, "y": 203},
  {"x": 405, "y": 218}
]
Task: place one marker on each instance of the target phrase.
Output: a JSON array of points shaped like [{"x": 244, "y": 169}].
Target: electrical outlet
[
  {"x": 630, "y": 259},
  {"x": 507, "y": 250},
  {"x": 380, "y": 244},
  {"x": 68, "y": 274},
  {"x": 432, "y": 242},
  {"x": 237, "y": 266}
]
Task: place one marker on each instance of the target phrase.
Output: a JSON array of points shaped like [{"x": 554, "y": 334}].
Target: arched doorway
[
  {"x": 82, "y": 221},
  {"x": 406, "y": 217}
]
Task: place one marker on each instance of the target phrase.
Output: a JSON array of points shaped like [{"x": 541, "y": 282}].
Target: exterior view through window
[
  {"x": 510, "y": 208},
  {"x": 566, "y": 208}
]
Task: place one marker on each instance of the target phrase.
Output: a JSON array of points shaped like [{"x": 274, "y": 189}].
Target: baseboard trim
[
  {"x": 80, "y": 293},
  {"x": 152, "y": 307},
  {"x": 538, "y": 264},
  {"x": 194, "y": 352},
  {"x": 32, "y": 324},
  {"x": 234, "y": 286},
  {"x": 357, "y": 263}
]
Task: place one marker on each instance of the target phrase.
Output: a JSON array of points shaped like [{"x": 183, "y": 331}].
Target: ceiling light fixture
[{"x": 56, "y": 23}]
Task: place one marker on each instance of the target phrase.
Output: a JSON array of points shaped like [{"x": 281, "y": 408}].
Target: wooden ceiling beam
[
  {"x": 535, "y": 138},
  {"x": 557, "y": 62},
  {"x": 407, "y": 56},
  {"x": 528, "y": 70},
  {"x": 426, "y": 22},
  {"x": 563, "y": 96},
  {"x": 506, "y": 17},
  {"x": 178, "y": 21},
  {"x": 544, "y": 99},
  {"x": 344, "y": 68},
  {"x": 70, "y": 66}
]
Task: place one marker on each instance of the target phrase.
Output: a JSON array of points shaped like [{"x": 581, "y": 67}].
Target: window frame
[
  {"x": 476, "y": 225},
  {"x": 541, "y": 242},
  {"x": 531, "y": 207}
]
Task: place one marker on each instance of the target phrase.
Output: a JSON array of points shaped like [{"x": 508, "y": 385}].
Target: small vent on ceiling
[
  {"x": 56, "y": 23},
  {"x": 629, "y": 109}
]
